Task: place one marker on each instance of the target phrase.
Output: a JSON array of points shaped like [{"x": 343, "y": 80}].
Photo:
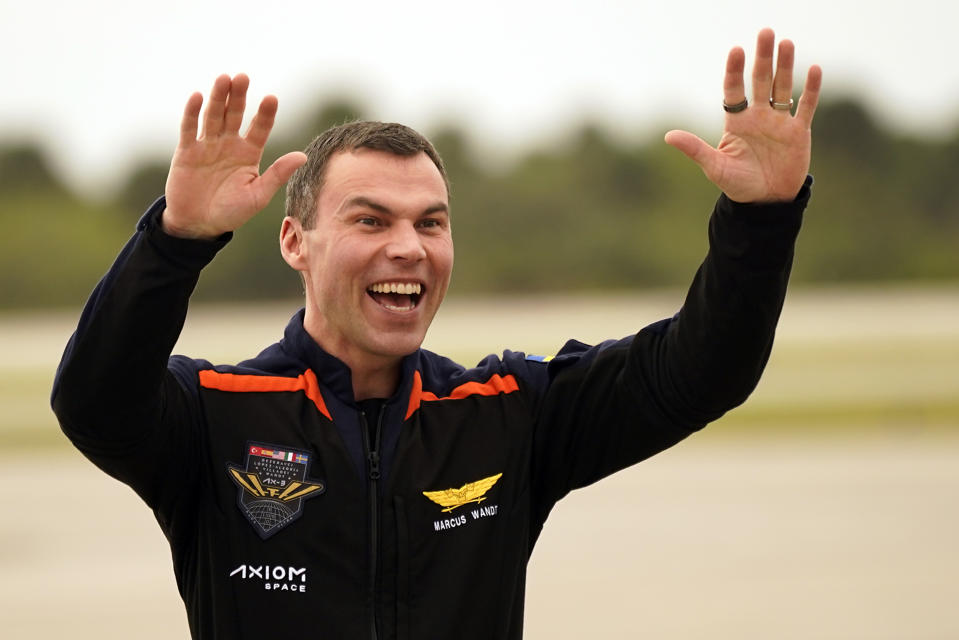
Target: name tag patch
[{"x": 470, "y": 493}]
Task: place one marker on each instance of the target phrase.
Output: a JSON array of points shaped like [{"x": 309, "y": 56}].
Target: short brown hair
[{"x": 303, "y": 189}]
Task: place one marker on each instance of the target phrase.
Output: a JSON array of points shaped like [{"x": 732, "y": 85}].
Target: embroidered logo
[
  {"x": 273, "y": 486},
  {"x": 451, "y": 499}
]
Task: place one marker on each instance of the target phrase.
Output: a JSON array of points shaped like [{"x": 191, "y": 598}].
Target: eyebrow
[{"x": 363, "y": 201}]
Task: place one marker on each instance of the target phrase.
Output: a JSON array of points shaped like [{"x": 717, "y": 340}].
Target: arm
[
  {"x": 611, "y": 406},
  {"x": 113, "y": 394}
]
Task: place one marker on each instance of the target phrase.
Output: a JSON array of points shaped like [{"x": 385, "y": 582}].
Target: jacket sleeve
[
  {"x": 610, "y": 406},
  {"x": 113, "y": 393}
]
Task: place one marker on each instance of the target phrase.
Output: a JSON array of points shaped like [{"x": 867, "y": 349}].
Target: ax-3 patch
[{"x": 273, "y": 486}]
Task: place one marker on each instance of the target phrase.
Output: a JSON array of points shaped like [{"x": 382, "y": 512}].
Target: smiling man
[
  {"x": 374, "y": 248},
  {"x": 345, "y": 483}
]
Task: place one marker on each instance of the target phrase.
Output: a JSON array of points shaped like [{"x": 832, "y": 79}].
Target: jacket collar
[{"x": 332, "y": 373}]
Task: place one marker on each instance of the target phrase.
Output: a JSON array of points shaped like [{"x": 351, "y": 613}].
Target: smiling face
[{"x": 377, "y": 262}]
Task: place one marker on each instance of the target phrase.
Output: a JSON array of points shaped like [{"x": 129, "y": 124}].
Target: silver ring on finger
[
  {"x": 735, "y": 108},
  {"x": 781, "y": 106}
]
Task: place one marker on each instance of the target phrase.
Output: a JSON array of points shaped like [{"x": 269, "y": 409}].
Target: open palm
[
  {"x": 764, "y": 152},
  {"x": 214, "y": 184}
]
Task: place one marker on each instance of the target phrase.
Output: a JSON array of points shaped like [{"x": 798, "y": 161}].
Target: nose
[{"x": 405, "y": 243}]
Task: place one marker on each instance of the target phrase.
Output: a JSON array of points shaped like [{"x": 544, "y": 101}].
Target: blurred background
[{"x": 825, "y": 507}]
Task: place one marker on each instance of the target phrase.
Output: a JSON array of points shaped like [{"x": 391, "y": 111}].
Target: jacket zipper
[{"x": 373, "y": 456}]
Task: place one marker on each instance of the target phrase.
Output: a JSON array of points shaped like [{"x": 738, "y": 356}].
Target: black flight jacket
[{"x": 289, "y": 514}]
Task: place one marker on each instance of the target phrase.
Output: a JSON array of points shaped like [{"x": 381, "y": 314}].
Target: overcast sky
[{"x": 102, "y": 82}]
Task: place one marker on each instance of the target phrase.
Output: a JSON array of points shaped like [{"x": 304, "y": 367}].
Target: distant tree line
[{"x": 593, "y": 212}]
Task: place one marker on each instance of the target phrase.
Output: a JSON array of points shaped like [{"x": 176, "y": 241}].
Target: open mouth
[{"x": 396, "y": 296}]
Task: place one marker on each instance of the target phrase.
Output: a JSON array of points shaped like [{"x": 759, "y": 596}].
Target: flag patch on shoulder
[{"x": 539, "y": 358}]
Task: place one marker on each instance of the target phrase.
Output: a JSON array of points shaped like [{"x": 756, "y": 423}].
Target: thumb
[
  {"x": 695, "y": 148},
  {"x": 279, "y": 172}
]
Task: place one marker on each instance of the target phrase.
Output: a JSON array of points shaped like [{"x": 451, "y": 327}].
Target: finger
[
  {"x": 213, "y": 118},
  {"x": 236, "y": 103},
  {"x": 783, "y": 82},
  {"x": 763, "y": 66},
  {"x": 734, "y": 89},
  {"x": 262, "y": 124},
  {"x": 695, "y": 148},
  {"x": 191, "y": 119},
  {"x": 810, "y": 96},
  {"x": 277, "y": 174}
]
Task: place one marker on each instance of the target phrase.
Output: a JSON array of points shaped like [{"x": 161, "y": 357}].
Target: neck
[
  {"x": 373, "y": 375},
  {"x": 374, "y": 382}
]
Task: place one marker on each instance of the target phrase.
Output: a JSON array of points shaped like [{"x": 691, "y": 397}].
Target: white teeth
[{"x": 408, "y": 288}]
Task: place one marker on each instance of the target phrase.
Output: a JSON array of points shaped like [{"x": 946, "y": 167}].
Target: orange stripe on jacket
[
  {"x": 238, "y": 383},
  {"x": 494, "y": 386}
]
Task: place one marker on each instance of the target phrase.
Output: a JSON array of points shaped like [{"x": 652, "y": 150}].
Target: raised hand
[
  {"x": 764, "y": 153},
  {"x": 214, "y": 184}
]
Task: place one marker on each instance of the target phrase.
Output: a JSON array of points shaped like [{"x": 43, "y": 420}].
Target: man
[{"x": 345, "y": 483}]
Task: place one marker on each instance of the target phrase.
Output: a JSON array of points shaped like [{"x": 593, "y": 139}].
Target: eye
[
  {"x": 430, "y": 223},
  {"x": 368, "y": 220}
]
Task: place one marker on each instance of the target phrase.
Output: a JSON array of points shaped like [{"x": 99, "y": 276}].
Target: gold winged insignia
[
  {"x": 250, "y": 482},
  {"x": 469, "y": 492}
]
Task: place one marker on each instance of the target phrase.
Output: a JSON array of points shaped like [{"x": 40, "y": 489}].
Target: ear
[{"x": 292, "y": 246}]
